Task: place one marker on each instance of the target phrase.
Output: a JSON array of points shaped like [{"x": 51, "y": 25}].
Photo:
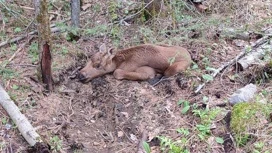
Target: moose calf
[{"x": 141, "y": 62}]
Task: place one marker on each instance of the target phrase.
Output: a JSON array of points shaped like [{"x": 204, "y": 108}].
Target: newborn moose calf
[{"x": 137, "y": 63}]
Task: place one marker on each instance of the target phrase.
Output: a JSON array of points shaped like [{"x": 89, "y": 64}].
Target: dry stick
[
  {"x": 20, "y": 48},
  {"x": 243, "y": 53},
  {"x": 14, "y": 13},
  {"x": 25, "y": 128},
  {"x": 252, "y": 57},
  {"x": 140, "y": 148},
  {"x": 52, "y": 26},
  {"x": 22, "y": 37},
  {"x": 30, "y": 8}
]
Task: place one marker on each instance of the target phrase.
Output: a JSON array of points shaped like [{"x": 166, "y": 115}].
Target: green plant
[
  {"x": 15, "y": 87},
  {"x": 183, "y": 131},
  {"x": 64, "y": 50},
  {"x": 7, "y": 73},
  {"x": 194, "y": 66},
  {"x": 219, "y": 140},
  {"x": 78, "y": 151},
  {"x": 112, "y": 9},
  {"x": 115, "y": 32},
  {"x": 96, "y": 31},
  {"x": 206, "y": 115},
  {"x": 56, "y": 143},
  {"x": 17, "y": 30},
  {"x": 33, "y": 52},
  {"x": 207, "y": 77},
  {"x": 186, "y": 106},
  {"x": 258, "y": 145},
  {"x": 4, "y": 120},
  {"x": 204, "y": 130},
  {"x": 246, "y": 117},
  {"x": 146, "y": 147},
  {"x": 206, "y": 61},
  {"x": 206, "y": 118},
  {"x": 2, "y": 146},
  {"x": 170, "y": 146},
  {"x": 13, "y": 47}
]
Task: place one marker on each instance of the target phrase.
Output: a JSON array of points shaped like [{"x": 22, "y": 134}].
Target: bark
[
  {"x": 75, "y": 22},
  {"x": 45, "y": 60},
  {"x": 75, "y": 11}
]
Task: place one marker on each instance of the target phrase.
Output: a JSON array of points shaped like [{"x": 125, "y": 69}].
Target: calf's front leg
[{"x": 142, "y": 73}]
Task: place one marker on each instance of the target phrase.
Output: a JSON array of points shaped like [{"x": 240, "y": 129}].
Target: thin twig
[
  {"x": 18, "y": 50},
  {"x": 14, "y": 13},
  {"x": 243, "y": 53},
  {"x": 53, "y": 29},
  {"x": 52, "y": 26},
  {"x": 30, "y": 8},
  {"x": 3, "y": 21}
]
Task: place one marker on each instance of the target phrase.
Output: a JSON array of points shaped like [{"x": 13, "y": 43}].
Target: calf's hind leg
[{"x": 141, "y": 73}]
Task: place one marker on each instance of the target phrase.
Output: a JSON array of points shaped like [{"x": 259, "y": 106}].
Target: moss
[{"x": 247, "y": 117}]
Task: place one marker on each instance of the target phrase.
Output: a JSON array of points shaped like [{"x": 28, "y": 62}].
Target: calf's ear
[{"x": 111, "y": 51}]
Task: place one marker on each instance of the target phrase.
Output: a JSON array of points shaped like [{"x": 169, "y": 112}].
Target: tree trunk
[
  {"x": 75, "y": 11},
  {"x": 75, "y": 22},
  {"x": 45, "y": 60}
]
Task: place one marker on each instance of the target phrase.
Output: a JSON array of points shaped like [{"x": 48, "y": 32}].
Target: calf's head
[{"x": 100, "y": 64}]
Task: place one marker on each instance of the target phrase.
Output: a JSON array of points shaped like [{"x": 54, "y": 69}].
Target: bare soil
[{"x": 108, "y": 115}]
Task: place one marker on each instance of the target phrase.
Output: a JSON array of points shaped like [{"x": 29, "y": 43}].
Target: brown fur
[{"x": 137, "y": 63}]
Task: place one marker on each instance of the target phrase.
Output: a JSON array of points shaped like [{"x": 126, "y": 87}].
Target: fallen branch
[
  {"x": 242, "y": 54},
  {"x": 30, "y": 8},
  {"x": 253, "y": 57},
  {"x": 52, "y": 26},
  {"x": 18, "y": 50},
  {"x": 25, "y": 128}
]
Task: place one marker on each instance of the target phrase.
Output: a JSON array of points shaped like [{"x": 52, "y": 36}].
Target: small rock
[
  {"x": 133, "y": 138},
  {"x": 213, "y": 126},
  {"x": 211, "y": 141},
  {"x": 120, "y": 134},
  {"x": 96, "y": 143},
  {"x": 8, "y": 126},
  {"x": 125, "y": 114},
  {"x": 243, "y": 95}
]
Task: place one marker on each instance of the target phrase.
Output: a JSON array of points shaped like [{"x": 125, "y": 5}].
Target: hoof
[{"x": 156, "y": 80}]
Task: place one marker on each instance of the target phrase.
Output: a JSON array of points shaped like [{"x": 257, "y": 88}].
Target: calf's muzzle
[{"x": 81, "y": 77}]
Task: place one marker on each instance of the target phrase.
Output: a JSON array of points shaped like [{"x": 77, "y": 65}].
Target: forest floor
[{"x": 108, "y": 115}]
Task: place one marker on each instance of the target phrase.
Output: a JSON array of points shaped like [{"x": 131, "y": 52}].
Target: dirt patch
[{"x": 107, "y": 115}]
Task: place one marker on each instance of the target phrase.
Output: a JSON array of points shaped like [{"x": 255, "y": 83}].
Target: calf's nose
[{"x": 81, "y": 77}]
